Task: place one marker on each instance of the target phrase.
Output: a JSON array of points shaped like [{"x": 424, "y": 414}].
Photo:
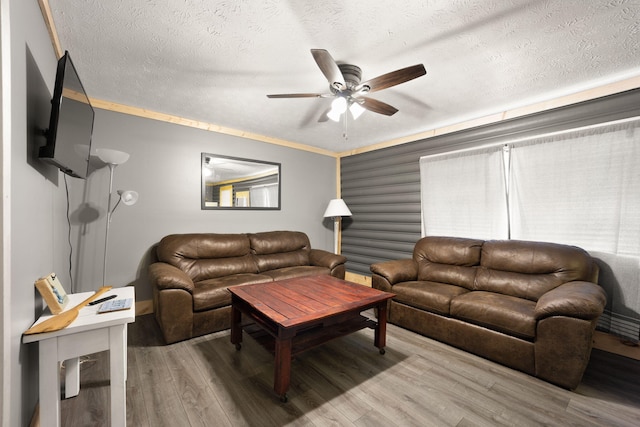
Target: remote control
[{"x": 98, "y": 301}]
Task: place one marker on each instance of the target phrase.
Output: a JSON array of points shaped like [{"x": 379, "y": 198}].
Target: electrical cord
[{"x": 66, "y": 186}]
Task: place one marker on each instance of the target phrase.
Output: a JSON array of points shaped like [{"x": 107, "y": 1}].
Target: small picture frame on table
[{"x": 52, "y": 292}]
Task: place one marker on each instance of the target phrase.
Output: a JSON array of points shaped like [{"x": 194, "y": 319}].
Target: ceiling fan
[{"x": 349, "y": 91}]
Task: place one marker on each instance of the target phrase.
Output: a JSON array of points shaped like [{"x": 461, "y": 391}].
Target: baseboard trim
[
  {"x": 144, "y": 307},
  {"x": 358, "y": 278},
  {"x": 601, "y": 340},
  {"x": 613, "y": 344},
  {"x": 35, "y": 418}
]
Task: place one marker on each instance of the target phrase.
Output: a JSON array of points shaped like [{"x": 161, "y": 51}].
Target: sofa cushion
[
  {"x": 530, "y": 269},
  {"x": 296, "y": 271},
  {"x": 221, "y": 267},
  {"x": 273, "y": 242},
  {"x": 431, "y": 296},
  {"x": 280, "y": 249},
  {"x": 502, "y": 313},
  {"x": 449, "y": 260},
  {"x": 213, "y": 293},
  {"x": 206, "y": 256}
]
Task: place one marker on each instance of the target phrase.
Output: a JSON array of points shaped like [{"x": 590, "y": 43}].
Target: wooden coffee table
[{"x": 300, "y": 313}]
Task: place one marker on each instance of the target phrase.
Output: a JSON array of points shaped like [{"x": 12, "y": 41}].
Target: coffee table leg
[
  {"x": 236, "y": 327},
  {"x": 282, "y": 376},
  {"x": 380, "y": 335}
]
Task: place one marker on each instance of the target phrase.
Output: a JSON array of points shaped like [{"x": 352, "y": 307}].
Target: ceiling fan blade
[
  {"x": 323, "y": 117},
  {"x": 393, "y": 78},
  {"x": 329, "y": 68},
  {"x": 297, "y": 95},
  {"x": 377, "y": 106}
]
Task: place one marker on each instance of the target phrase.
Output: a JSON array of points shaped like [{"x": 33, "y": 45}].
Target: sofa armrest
[
  {"x": 582, "y": 300},
  {"x": 167, "y": 276},
  {"x": 322, "y": 258},
  {"x": 396, "y": 271}
]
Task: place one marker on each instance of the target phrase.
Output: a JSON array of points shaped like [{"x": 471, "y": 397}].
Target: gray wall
[
  {"x": 32, "y": 209},
  {"x": 164, "y": 168}
]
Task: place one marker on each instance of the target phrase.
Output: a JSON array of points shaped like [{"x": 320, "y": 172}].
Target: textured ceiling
[{"x": 215, "y": 61}]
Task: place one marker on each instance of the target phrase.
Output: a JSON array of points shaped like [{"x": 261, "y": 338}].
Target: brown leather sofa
[
  {"x": 531, "y": 306},
  {"x": 193, "y": 271}
]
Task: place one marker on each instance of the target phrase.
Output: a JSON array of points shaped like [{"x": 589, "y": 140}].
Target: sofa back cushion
[
  {"x": 451, "y": 260},
  {"x": 207, "y": 255},
  {"x": 280, "y": 249},
  {"x": 529, "y": 269}
]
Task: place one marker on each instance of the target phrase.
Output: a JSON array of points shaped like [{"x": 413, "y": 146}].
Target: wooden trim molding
[
  {"x": 585, "y": 95},
  {"x": 613, "y": 344},
  {"x": 358, "y": 278},
  {"x": 144, "y": 307},
  {"x": 154, "y": 115},
  {"x": 563, "y": 101},
  {"x": 45, "y": 9}
]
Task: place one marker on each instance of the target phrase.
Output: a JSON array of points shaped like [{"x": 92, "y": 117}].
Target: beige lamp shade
[{"x": 336, "y": 208}]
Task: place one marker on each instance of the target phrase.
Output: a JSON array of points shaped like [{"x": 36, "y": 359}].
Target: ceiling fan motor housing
[{"x": 351, "y": 74}]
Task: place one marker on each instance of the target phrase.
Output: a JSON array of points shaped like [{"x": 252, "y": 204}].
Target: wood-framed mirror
[{"x": 237, "y": 183}]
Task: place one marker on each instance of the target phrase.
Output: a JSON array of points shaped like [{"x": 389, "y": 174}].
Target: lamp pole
[
  {"x": 112, "y": 166},
  {"x": 113, "y": 158},
  {"x": 336, "y": 232}
]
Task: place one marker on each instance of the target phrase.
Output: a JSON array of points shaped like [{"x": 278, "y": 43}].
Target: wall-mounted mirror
[{"x": 234, "y": 183}]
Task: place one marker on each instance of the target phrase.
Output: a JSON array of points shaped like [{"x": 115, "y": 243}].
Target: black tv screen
[{"x": 71, "y": 124}]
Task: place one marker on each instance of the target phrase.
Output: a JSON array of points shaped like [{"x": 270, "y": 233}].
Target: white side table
[{"x": 89, "y": 333}]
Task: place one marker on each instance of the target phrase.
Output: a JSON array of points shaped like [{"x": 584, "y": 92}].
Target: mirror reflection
[{"x": 235, "y": 183}]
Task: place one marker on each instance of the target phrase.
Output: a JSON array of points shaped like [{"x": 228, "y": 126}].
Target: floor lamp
[
  {"x": 337, "y": 209},
  {"x": 113, "y": 158}
]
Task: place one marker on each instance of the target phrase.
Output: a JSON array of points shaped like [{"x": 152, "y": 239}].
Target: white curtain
[
  {"x": 463, "y": 194},
  {"x": 580, "y": 187},
  {"x": 583, "y": 188}
]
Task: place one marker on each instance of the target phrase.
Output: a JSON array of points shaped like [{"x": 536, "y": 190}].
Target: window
[
  {"x": 580, "y": 187},
  {"x": 463, "y": 194}
]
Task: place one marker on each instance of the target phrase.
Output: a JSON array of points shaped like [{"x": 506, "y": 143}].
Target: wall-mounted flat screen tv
[{"x": 71, "y": 124}]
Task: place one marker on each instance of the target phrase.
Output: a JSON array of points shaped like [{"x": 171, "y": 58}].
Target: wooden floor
[{"x": 418, "y": 382}]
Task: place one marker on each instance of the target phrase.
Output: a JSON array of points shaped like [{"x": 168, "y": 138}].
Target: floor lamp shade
[
  {"x": 112, "y": 157},
  {"x": 128, "y": 197},
  {"x": 336, "y": 209}
]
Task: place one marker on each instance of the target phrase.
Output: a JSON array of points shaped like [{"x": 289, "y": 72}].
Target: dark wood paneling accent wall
[{"x": 382, "y": 187}]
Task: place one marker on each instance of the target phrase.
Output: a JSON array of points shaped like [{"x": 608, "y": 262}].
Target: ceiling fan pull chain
[{"x": 346, "y": 117}]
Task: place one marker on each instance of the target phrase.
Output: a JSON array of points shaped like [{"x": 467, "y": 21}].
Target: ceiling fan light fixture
[
  {"x": 334, "y": 115},
  {"x": 339, "y": 105},
  {"x": 356, "y": 110}
]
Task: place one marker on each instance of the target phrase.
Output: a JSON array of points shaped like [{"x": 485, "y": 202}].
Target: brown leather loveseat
[
  {"x": 531, "y": 306},
  {"x": 193, "y": 271}
]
